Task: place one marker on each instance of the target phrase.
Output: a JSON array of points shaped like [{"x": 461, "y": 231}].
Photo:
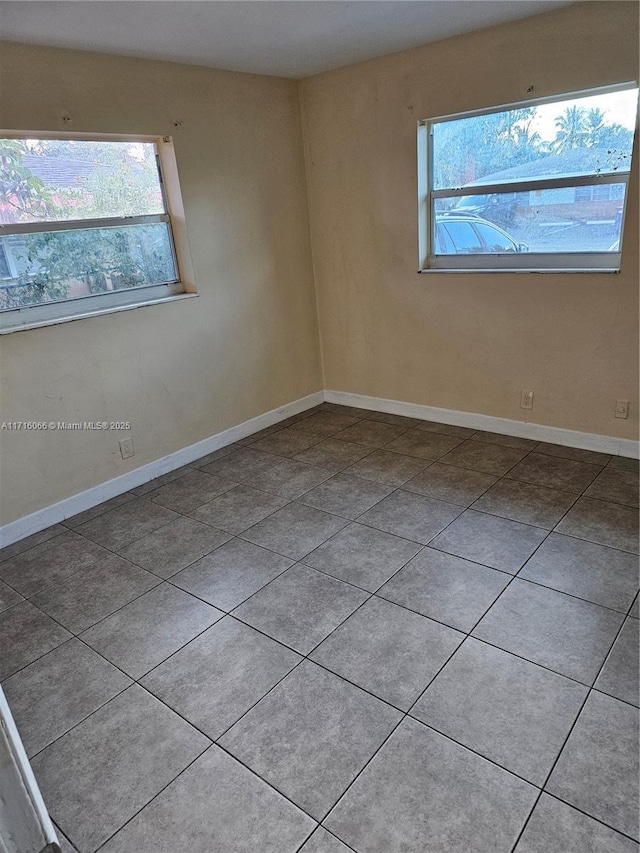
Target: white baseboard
[
  {"x": 506, "y": 426},
  {"x": 43, "y": 518}
]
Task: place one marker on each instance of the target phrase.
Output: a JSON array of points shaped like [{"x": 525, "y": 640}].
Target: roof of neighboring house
[
  {"x": 576, "y": 161},
  {"x": 61, "y": 172}
]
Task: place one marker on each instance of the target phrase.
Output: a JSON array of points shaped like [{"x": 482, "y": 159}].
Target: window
[
  {"x": 88, "y": 225},
  {"x": 538, "y": 186}
]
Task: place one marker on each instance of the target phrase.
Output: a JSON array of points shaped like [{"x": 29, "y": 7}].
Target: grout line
[{"x": 564, "y": 744}]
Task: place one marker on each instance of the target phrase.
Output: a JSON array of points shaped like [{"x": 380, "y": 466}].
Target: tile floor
[{"x": 350, "y": 632}]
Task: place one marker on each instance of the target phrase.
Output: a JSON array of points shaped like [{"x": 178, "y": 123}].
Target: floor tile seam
[
  {"x": 155, "y": 796},
  {"x": 324, "y": 829},
  {"x": 404, "y": 716},
  {"x": 473, "y": 628},
  {"x": 496, "y": 514},
  {"x": 612, "y": 696},
  {"x": 592, "y": 817},
  {"x": 571, "y": 594},
  {"x": 564, "y": 743},
  {"x": 31, "y": 547},
  {"x": 605, "y": 500},
  {"x": 90, "y": 565}
]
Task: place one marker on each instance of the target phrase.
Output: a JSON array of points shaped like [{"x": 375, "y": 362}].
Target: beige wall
[
  {"x": 181, "y": 372},
  {"x": 466, "y": 342},
  {"x": 184, "y": 371}
]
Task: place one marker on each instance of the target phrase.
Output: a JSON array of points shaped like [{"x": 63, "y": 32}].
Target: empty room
[{"x": 319, "y": 386}]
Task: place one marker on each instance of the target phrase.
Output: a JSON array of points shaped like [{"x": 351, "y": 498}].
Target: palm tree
[
  {"x": 571, "y": 129},
  {"x": 595, "y": 125}
]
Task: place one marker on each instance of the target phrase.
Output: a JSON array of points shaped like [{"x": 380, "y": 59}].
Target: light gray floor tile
[
  {"x": 126, "y": 523},
  {"x": 8, "y": 597},
  {"x": 91, "y": 594},
  {"x": 598, "y": 574},
  {"x": 388, "y": 651},
  {"x": 392, "y": 469},
  {"x": 428, "y": 793},
  {"x": 30, "y": 541},
  {"x": 555, "y": 827},
  {"x": 95, "y": 511},
  {"x": 446, "y": 588},
  {"x": 231, "y": 573},
  {"x": 396, "y": 420},
  {"x": 333, "y": 454},
  {"x": 215, "y": 806},
  {"x": 573, "y": 453},
  {"x": 524, "y": 502},
  {"x": 424, "y": 444},
  {"x": 602, "y": 522},
  {"x": 323, "y": 842},
  {"x": 372, "y": 434},
  {"x": 53, "y": 694},
  {"x": 325, "y": 424},
  {"x": 624, "y": 463},
  {"x": 619, "y": 676},
  {"x": 346, "y": 495},
  {"x": 489, "y": 458},
  {"x": 190, "y": 491},
  {"x": 311, "y": 735},
  {"x": 554, "y": 630},
  {"x": 617, "y": 486},
  {"x": 289, "y": 441},
  {"x": 555, "y": 472},
  {"x": 290, "y": 478},
  {"x": 504, "y": 440},
  {"x": 362, "y": 556},
  {"x": 141, "y": 635},
  {"x": 98, "y": 775},
  {"x": 492, "y": 541},
  {"x": 217, "y": 677},
  {"x": 242, "y": 465},
  {"x": 26, "y": 633},
  {"x": 65, "y": 845},
  {"x": 411, "y": 516},
  {"x": 220, "y": 453},
  {"x": 301, "y": 607},
  {"x": 448, "y": 483},
  {"x": 635, "y": 609},
  {"x": 294, "y": 530},
  {"x": 445, "y": 429},
  {"x": 598, "y": 769},
  {"x": 163, "y": 479},
  {"x": 509, "y": 710},
  {"x": 262, "y": 433},
  {"x": 174, "y": 546},
  {"x": 50, "y": 562},
  {"x": 239, "y": 508}
]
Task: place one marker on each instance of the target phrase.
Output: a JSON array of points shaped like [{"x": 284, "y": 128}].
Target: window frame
[
  {"x": 525, "y": 262},
  {"x": 80, "y": 307}
]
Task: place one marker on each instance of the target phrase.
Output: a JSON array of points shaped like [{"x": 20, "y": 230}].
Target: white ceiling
[{"x": 294, "y": 38}]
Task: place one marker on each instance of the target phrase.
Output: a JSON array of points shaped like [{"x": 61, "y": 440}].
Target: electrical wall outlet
[
  {"x": 622, "y": 409},
  {"x": 526, "y": 399},
  {"x": 126, "y": 448}
]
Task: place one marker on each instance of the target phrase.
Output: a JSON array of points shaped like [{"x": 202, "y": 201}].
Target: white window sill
[
  {"x": 23, "y": 319},
  {"x": 502, "y": 270}
]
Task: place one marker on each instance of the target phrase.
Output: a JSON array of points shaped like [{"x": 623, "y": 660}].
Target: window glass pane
[
  {"x": 550, "y": 220},
  {"x": 56, "y": 265},
  {"x": 464, "y": 238},
  {"x": 60, "y": 179},
  {"x": 494, "y": 239},
  {"x": 585, "y": 135}
]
